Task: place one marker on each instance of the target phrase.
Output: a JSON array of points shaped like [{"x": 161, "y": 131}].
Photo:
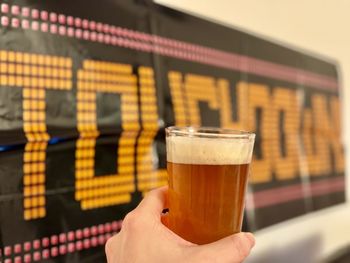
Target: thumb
[{"x": 231, "y": 249}]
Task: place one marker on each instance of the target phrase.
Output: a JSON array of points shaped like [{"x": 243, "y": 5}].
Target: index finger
[{"x": 154, "y": 202}]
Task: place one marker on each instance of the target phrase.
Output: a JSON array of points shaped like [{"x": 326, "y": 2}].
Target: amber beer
[{"x": 208, "y": 172}]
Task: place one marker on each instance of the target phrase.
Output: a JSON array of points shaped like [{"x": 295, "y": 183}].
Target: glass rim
[{"x": 209, "y": 132}]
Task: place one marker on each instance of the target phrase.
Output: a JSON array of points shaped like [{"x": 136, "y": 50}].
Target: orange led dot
[
  {"x": 3, "y": 55},
  {"x": 19, "y": 57},
  {"x": 26, "y": 180},
  {"x": 27, "y": 168},
  {"x": 41, "y": 178},
  {"x": 34, "y": 190},
  {"x": 48, "y": 60},
  {"x": 26, "y": 58},
  {"x": 27, "y": 203},
  {"x": 27, "y": 214},
  {"x": 11, "y": 68},
  {"x": 27, "y": 191},
  {"x": 34, "y": 201},
  {"x": 3, "y": 67},
  {"x": 34, "y": 59},
  {"x": 41, "y": 201},
  {"x": 41, "y": 167},
  {"x": 11, "y": 80},
  {"x": 41, "y": 93},
  {"x": 42, "y": 212},
  {"x": 42, "y": 128},
  {"x": 55, "y": 61},
  {"x": 34, "y": 179},
  {"x": 11, "y": 56},
  {"x": 3, "y": 80},
  {"x": 35, "y": 213},
  {"x": 41, "y": 59},
  {"x": 34, "y": 82}
]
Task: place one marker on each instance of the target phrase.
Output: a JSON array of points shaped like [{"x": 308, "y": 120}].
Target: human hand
[{"x": 143, "y": 238}]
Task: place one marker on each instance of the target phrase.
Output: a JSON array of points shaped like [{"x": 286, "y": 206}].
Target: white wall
[{"x": 320, "y": 27}]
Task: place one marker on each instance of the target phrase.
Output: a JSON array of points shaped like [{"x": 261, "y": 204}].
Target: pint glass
[{"x": 208, "y": 171}]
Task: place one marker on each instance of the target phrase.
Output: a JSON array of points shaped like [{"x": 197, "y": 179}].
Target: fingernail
[{"x": 251, "y": 237}]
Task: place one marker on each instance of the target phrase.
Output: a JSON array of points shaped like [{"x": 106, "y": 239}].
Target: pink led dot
[
  {"x": 78, "y": 33},
  {"x": 93, "y": 36},
  {"x": 70, "y": 20},
  {"x": 71, "y": 247},
  {"x": 87, "y": 243},
  {"x": 25, "y": 11},
  {"x": 105, "y": 28},
  {"x": 62, "y": 30},
  {"x": 54, "y": 239},
  {"x": 61, "y": 19},
  {"x": 115, "y": 225},
  {"x": 35, "y": 13},
  {"x": 107, "y": 39},
  {"x": 78, "y": 234},
  {"x": 108, "y": 227},
  {"x": 15, "y": 10},
  {"x": 18, "y": 259},
  {"x": 25, "y": 24},
  {"x": 79, "y": 245},
  {"x": 62, "y": 238},
  {"x": 111, "y": 29},
  {"x": 63, "y": 249},
  {"x": 86, "y": 34},
  {"x": 70, "y": 235},
  {"x": 100, "y": 37},
  {"x": 35, "y": 25},
  {"x": 27, "y": 246},
  {"x": 4, "y": 21},
  {"x": 92, "y": 25},
  {"x": 8, "y": 260},
  {"x": 93, "y": 230},
  {"x": 4, "y": 8},
  {"x": 70, "y": 31},
  {"x": 101, "y": 239},
  {"x": 36, "y": 244},
  {"x": 86, "y": 232},
  {"x": 7, "y": 251},
  {"x": 54, "y": 251},
  {"x": 27, "y": 258},
  {"x": 44, "y": 15},
  {"x": 77, "y": 22},
  {"x": 114, "y": 41},
  {"x": 53, "y": 29},
  {"x": 44, "y": 27},
  {"x": 45, "y": 242},
  {"x": 37, "y": 256},
  {"x": 17, "y": 248},
  {"x": 53, "y": 17},
  {"x": 99, "y": 26},
  {"x": 94, "y": 241},
  {"x": 45, "y": 253},
  {"x": 85, "y": 23},
  {"x": 108, "y": 236}
]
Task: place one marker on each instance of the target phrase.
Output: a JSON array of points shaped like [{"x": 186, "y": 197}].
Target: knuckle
[
  {"x": 131, "y": 221},
  {"x": 109, "y": 245},
  {"x": 242, "y": 246}
]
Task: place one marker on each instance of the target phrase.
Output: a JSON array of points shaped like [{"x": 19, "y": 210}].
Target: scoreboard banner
[{"x": 86, "y": 90}]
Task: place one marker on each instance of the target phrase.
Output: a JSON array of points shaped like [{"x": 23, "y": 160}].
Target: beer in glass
[{"x": 208, "y": 171}]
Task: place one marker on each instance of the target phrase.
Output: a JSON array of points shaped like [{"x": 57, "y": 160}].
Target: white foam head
[{"x": 198, "y": 150}]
